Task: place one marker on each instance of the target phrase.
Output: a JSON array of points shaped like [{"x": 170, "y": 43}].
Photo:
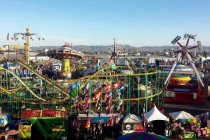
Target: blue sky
[{"x": 97, "y": 22}]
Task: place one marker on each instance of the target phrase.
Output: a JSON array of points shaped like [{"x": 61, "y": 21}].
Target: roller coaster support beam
[
  {"x": 172, "y": 69},
  {"x": 195, "y": 70}
]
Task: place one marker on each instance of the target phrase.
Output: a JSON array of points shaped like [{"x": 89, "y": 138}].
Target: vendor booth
[
  {"x": 132, "y": 123},
  {"x": 184, "y": 123},
  {"x": 156, "y": 121}
]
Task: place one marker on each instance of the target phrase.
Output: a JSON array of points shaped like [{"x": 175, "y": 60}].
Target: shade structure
[
  {"x": 131, "y": 118},
  {"x": 181, "y": 115},
  {"x": 154, "y": 114},
  {"x": 142, "y": 136},
  {"x": 94, "y": 117}
]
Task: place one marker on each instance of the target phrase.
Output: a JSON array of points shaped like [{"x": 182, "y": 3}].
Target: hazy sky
[{"x": 97, "y": 22}]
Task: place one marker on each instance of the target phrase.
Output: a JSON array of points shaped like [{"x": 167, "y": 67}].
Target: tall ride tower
[{"x": 25, "y": 36}]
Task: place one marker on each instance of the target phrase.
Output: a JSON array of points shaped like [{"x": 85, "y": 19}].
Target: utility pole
[{"x": 114, "y": 53}]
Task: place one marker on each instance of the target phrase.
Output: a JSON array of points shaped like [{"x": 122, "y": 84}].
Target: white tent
[
  {"x": 131, "y": 118},
  {"x": 154, "y": 114},
  {"x": 181, "y": 115}
]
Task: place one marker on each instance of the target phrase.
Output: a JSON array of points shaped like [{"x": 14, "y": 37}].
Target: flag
[
  {"x": 97, "y": 94},
  {"x": 76, "y": 99},
  {"x": 109, "y": 100},
  {"x": 86, "y": 88},
  {"x": 86, "y": 104},
  {"x": 106, "y": 96},
  {"x": 107, "y": 87},
  {"x": 8, "y": 36},
  {"x": 73, "y": 89},
  {"x": 74, "y": 92},
  {"x": 120, "y": 104},
  {"x": 73, "y": 86},
  {"x": 78, "y": 106},
  {"x": 116, "y": 84},
  {"x": 87, "y": 125},
  {"x": 109, "y": 109},
  {"x": 110, "y": 121}
]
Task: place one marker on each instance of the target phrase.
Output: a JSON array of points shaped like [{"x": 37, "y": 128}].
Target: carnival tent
[
  {"x": 131, "y": 118},
  {"x": 181, "y": 115},
  {"x": 154, "y": 114}
]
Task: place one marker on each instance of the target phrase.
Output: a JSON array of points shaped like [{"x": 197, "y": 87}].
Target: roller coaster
[{"x": 108, "y": 90}]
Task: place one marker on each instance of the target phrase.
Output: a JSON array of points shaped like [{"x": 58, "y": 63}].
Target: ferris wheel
[{"x": 184, "y": 53}]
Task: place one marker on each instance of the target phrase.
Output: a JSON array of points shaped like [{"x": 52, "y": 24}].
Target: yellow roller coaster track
[
  {"x": 10, "y": 92},
  {"x": 45, "y": 79},
  {"x": 88, "y": 78},
  {"x": 16, "y": 97},
  {"x": 23, "y": 84},
  {"x": 98, "y": 75},
  {"x": 40, "y": 76}
]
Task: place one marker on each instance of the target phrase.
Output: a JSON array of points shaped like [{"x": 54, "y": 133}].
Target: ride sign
[
  {"x": 42, "y": 113},
  {"x": 31, "y": 113}
]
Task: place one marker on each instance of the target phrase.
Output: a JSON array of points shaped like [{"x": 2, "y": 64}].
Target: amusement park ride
[
  {"x": 65, "y": 54},
  {"x": 25, "y": 36},
  {"x": 180, "y": 87},
  {"x": 109, "y": 90},
  {"x": 25, "y": 87}
]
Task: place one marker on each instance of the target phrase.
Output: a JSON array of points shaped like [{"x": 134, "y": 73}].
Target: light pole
[{"x": 138, "y": 78}]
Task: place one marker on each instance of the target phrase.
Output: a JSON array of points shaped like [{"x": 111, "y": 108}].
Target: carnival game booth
[
  {"x": 107, "y": 121},
  {"x": 156, "y": 121},
  {"x": 43, "y": 124},
  {"x": 184, "y": 124},
  {"x": 132, "y": 123}
]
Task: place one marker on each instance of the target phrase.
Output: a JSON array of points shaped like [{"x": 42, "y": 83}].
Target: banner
[
  {"x": 43, "y": 113},
  {"x": 30, "y": 113}
]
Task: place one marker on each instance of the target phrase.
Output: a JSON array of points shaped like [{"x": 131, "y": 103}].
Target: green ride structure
[
  {"x": 118, "y": 89},
  {"x": 24, "y": 87},
  {"x": 44, "y": 104}
]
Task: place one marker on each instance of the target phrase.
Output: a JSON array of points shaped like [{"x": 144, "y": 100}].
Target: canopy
[
  {"x": 181, "y": 115},
  {"x": 94, "y": 118},
  {"x": 154, "y": 114},
  {"x": 131, "y": 118}
]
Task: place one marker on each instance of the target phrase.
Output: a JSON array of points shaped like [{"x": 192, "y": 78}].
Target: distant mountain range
[{"x": 107, "y": 48}]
